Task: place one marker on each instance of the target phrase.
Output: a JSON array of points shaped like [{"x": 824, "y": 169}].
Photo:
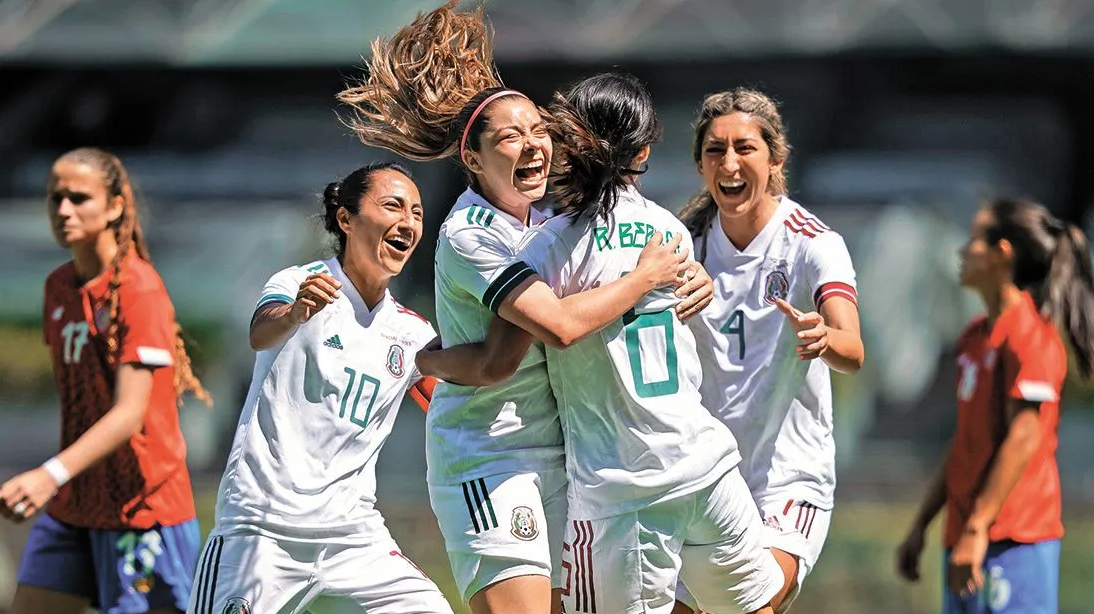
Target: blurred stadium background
[{"x": 902, "y": 114}]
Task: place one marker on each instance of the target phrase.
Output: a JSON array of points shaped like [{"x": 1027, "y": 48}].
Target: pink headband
[{"x": 475, "y": 115}]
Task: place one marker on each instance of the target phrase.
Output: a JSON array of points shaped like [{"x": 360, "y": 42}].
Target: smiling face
[
  {"x": 382, "y": 235},
  {"x": 737, "y": 165},
  {"x": 80, "y": 209},
  {"x": 514, "y": 153}
]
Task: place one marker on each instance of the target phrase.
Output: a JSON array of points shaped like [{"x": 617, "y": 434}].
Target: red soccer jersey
[
  {"x": 146, "y": 481},
  {"x": 1021, "y": 357}
]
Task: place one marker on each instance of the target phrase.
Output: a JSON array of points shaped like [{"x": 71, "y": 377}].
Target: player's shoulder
[
  {"x": 414, "y": 323},
  {"x": 803, "y": 225},
  {"x": 977, "y": 327},
  {"x": 139, "y": 277},
  {"x": 1027, "y": 329},
  {"x": 61, "y": 277}
]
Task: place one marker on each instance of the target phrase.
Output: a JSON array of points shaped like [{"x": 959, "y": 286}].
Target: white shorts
[
  {"x": 711, "y": 540},
  {"x": 794, "y": 526},
  {"x": 248, "y": 572},
  {"x": 501, "y": 527}
]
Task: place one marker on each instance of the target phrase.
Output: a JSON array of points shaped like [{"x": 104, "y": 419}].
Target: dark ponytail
[
  {"x": 347, "y": 194},
  {"x": 1052, "y": 263},
  {"x": 599, "y": 126}
]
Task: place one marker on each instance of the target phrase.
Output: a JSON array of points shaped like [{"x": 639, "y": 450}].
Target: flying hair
[{"x": 414, "y": 99}]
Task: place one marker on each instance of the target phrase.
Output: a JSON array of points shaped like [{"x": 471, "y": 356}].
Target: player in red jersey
[
  {"x": 119, "y": 532},
  {"x": 999, "y": 482}
]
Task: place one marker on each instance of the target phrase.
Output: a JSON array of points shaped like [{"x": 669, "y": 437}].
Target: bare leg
[{"x": 520, "y": 595}]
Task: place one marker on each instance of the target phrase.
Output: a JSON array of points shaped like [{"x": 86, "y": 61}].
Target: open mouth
[
  {"x": 531, "y": 172},
  {"x": 732, "y": 188},
  {"x": 399, "y": 244}
]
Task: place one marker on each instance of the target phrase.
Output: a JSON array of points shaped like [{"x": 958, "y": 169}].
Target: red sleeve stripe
[
  {"x": 401, "y": 309},
  {"x": 804, "y": 224},
  {"x": 835, "y": 288}
]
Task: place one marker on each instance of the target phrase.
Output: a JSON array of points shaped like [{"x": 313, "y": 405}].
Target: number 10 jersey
[{"x": 320, "y": 406}]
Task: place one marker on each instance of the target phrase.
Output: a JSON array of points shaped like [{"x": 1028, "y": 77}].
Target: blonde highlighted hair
[{"x": 424, "y": 83}]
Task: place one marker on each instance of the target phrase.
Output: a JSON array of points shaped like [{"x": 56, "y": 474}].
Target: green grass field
[{"x": 855, "y": 574}]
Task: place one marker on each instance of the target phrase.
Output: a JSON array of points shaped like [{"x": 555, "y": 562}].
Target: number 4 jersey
[
  {"x": 779, "y": 407},
  {"x": 635, "y": 428},
  {"x": 320, "y": 406}
]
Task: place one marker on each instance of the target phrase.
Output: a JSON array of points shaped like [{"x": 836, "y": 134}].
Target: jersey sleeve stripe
[
  {"x": 154, "y": 357},
  {"x": 274, "y": 298},
  {"x": 1036, "y": 392},
  {"x": 509, "y": 279},
  {"x": 833, "y": 289}
]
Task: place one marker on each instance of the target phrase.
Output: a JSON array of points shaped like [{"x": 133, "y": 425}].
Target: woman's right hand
[
  {"x": 316, "y": 292},
  {"x": 662, "y": 263},
  {"x": 909, "y": 553}
]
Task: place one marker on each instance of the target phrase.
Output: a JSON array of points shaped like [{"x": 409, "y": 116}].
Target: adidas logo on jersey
[{"x": 334, "y": 342}]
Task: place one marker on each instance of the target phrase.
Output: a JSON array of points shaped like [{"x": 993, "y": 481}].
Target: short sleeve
[
  {"x": 283, "y": 286},
  {"x": 1032, "y": 372},
  {"x": 479, "y": 261},
  {"x": 829, "y": 269},
  {"x": 146, "y": 331},
  {"x": 544, "y": 253}
]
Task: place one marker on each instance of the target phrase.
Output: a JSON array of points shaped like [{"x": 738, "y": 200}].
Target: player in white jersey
[
  {"x": 495, "y": 452},
  {"x": 654, "y": 490},
  {"x": 296, "y": 524},
  {"x": 772, "y": 260}
]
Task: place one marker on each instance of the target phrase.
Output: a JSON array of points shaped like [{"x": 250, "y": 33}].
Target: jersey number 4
[
  {"x": 75, "y": 338},
  {"x": 736, "y": 326},
  {"x": 634, "y": 324},
  {"x": 362, "y": 382}
]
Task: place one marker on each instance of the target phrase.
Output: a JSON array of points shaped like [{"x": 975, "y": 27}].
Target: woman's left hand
[
  {"x": 812, "y": 330},
  {"x": 697, "y": 291},
  {"x": 24, "y": 495}
]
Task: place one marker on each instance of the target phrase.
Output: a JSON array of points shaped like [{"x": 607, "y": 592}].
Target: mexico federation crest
[
  {"x": 524, "y": 524},
  {"x": 776, "y": 287},
  {"x": 237, "y": 605},
  {"x": 395, "y": 360}
]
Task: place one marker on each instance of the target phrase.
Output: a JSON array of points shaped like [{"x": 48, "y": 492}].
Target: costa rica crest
[{"x": 396, "y": 360}]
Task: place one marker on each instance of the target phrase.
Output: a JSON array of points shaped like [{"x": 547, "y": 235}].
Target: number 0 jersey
[
  {"x": 320, "y": 406},
  {"x": 635, "y": 428},
  {"x": 779, "y": 407}
]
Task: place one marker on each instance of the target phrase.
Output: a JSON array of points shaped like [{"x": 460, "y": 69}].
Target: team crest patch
[
  {"x": 237, "y": 605},
  {"x": 102, "y": 318},
  {"x": 57, "y": 313},
  {"x": 776, "y": 287},
  {"x": 524, "y": 524},
  {"x": 395, "y": 362}
]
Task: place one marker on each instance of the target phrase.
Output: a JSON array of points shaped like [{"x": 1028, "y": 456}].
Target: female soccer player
[
  {"x": 784, "y": 316},
  {"x": 495, "y": 455},
  {"x": 297, "y": 528},
  {"x": 119, "y": 532},
  {"x": 654, "y": 488},
  {"x": 998, "y": 481}
]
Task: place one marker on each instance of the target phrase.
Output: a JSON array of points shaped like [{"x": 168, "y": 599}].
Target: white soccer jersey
[
  {"x": 512, "y": 426},
  {"x": 635, "y": 428},
  {"x": 779, "y": 407},
  {"x": 320, "y": 406}
]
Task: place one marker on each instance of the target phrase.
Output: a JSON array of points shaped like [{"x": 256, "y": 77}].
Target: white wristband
[{"x": 56, "y": 470}]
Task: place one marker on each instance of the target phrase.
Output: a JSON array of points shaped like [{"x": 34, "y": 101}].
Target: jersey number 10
[
  {"x": 636, "y": 323},
  {"x": 362, "y": 381}
]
